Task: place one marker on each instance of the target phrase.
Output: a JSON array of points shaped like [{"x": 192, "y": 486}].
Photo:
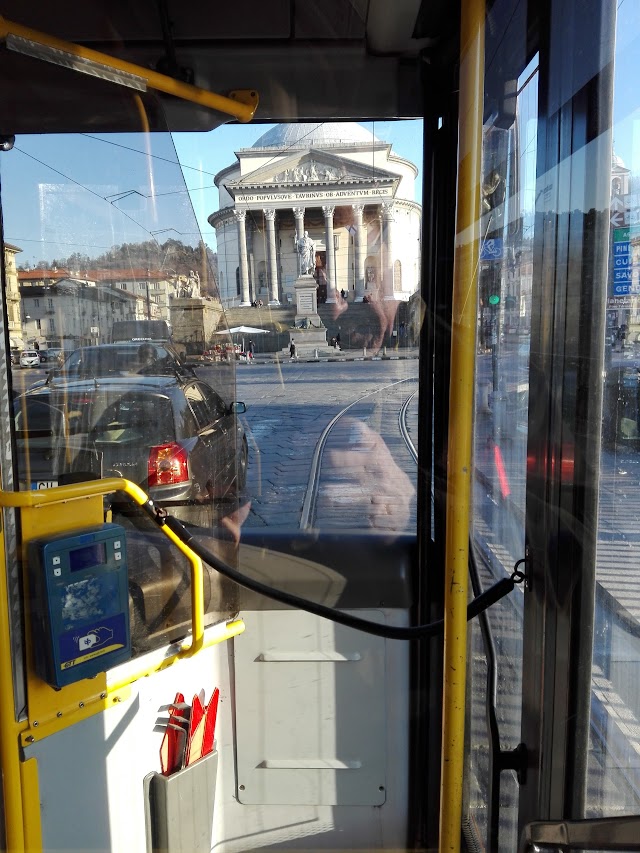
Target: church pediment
[{"x": 312, "y": 169}]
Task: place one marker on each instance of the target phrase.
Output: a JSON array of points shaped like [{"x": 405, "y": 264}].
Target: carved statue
[{"x": 305, "y": 248}]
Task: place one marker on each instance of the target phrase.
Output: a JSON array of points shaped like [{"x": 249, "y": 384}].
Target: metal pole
[{"x": 463, "y": 339}]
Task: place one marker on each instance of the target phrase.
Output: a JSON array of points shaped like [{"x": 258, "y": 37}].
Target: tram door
[
  {"x": 312, "y": 732},
  {"x": 552, "y": 707}
]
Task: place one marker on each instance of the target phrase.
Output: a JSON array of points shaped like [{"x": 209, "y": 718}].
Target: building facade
[
  {"x": 338, "y": 183},
  {"x": 59, "y": 308},
  {"x": 68, "y": 313},
  {"x": 12, "y": 296}
]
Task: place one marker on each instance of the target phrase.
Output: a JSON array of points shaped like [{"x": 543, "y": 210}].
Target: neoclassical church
[{"x": 336, "y": 181}]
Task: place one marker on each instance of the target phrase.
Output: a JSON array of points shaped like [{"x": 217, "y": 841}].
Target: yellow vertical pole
[
  {"x": 9, "y": 729},
  {"x": 463, "y": 339}
]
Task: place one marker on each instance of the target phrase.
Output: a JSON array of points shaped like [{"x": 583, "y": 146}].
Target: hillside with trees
[{"x": 172, "y": 256}]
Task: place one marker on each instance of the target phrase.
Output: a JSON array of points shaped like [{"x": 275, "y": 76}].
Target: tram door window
[
  {"x": 614, "y": 732},
  {"x": 103, "y": 234},
  {"x": 509, "y": 147}
]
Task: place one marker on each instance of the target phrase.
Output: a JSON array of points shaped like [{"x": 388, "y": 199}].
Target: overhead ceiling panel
[{"x": 308, "y": 59}]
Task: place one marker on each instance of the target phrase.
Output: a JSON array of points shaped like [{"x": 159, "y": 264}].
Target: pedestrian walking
[
  {"x": 292, "y": 350},
  {"x": 250, "y": 352}
]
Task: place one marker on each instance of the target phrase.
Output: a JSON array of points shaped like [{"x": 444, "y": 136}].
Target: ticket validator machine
[{"x": 80, "y": 603}]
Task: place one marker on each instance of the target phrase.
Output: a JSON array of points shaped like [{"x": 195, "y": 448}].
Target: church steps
[{"x": 358, "y": 326}]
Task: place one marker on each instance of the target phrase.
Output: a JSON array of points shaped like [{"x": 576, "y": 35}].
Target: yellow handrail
[
  {"x": 461, "y": 419},
  {"x": 92, "y": 488},
  {"x": 9, "y": 728},
  {"x": 243, "y": 108}
]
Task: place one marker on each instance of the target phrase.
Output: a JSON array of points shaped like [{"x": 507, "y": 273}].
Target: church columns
[
  {"x": 272, "y": 260},
  {"x": 240, "y": 216},
  {"x": 331, "y": 254},
  {"x": 360, "y": 245},
  {"x": 298, "y": 213},
  {"x": 387, "y": 239}
]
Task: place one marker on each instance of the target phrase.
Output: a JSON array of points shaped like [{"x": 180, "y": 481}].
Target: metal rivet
[
  {"x": 35, "y": 724},
  {"x": 103, "y": 695},
  {"x": 381, "y": 788},
  {"x": 241, "y": 787},
  {"x": 59, "y": 714},
  {"x": 30, "y": 739},
  {"x": 80, "y": 704},
  {"x": 117, "y": 698}
]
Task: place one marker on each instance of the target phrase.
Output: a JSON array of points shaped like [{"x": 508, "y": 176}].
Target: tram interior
[{"x": 339, "y": 483}]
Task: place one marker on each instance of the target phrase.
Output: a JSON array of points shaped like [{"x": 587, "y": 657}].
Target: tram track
[{"x": 310, "y": 502}]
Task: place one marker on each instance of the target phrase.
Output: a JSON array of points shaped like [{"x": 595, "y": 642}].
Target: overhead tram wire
[
  {"x": 87, "y": 189},
  {"x": 145, "y": 154},
  {"x": 106, "y": 198}
]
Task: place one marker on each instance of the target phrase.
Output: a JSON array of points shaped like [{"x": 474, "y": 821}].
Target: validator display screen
[{"x": 90, "y": 555}]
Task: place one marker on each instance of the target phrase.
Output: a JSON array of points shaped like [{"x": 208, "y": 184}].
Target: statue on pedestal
[{"x": 305, "y": 247}]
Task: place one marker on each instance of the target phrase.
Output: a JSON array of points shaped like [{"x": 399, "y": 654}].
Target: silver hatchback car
[{"x": 172, "y": 435}]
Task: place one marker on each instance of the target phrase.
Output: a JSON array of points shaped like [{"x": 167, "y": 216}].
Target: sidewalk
[{"x": 384, "y": 354}]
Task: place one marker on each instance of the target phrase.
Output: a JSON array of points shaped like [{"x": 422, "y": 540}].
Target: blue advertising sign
[{"x": 622, "y": 279}]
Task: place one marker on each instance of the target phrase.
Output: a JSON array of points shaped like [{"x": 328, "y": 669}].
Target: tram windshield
[{"x": 301, "y": 300}]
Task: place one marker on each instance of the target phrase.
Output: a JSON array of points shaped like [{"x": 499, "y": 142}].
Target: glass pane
[
  {"x": 309, "y": 287},
  {"x": 317, "y": 235},
  {"x": 109, "y": 291},
  {"x": 614, "y": 759},
  {"x": 500, "y": 441}
]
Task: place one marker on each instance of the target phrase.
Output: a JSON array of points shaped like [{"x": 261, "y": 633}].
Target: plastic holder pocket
[{"x": 179, "y": 808}]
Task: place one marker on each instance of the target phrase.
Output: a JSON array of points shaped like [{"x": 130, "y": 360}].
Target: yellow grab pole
[
  {"x": 9, "y": 728},
  {"x": 242, "y": 105},
  {"x": 463, "y": 337}
]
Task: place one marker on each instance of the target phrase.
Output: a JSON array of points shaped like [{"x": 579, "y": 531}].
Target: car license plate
[{"x": 44, "y": 484}]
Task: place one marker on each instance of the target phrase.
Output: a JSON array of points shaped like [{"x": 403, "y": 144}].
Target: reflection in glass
[
  {"x": 500, "y": 440},
  {"x": 614, "y": 758}
]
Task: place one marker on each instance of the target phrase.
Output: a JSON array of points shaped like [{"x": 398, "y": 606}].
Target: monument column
[
  {"x": 360, "y": 245},
  {"x": 298, "y": 213},
  {"x": 331, "y": 253},
  {"x": 272, "y": 260},
  {"x": 240, "y": 216},
  {"x": 387, "y": 271}
]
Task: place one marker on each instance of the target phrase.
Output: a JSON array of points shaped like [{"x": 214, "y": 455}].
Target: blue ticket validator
[{"x": 80, "y": 603}]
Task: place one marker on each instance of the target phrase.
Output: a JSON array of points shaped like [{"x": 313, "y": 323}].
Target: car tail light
[{"x": 168, "y": 463}]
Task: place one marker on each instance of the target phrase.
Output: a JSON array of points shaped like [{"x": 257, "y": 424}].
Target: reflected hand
[{"x": 367, "y": 480}]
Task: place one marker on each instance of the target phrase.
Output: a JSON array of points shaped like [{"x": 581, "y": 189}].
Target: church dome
[
  {"x": 617, "y": 161},
  {"x": 316, "y": 135}
]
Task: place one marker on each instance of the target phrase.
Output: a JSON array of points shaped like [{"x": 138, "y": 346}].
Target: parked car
[
  {"x": 172, "y": 435},
  {"x": 51, "y": 357},
  {"x": 127, "y": 357},
  {"x": 29, "y": 358}
]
